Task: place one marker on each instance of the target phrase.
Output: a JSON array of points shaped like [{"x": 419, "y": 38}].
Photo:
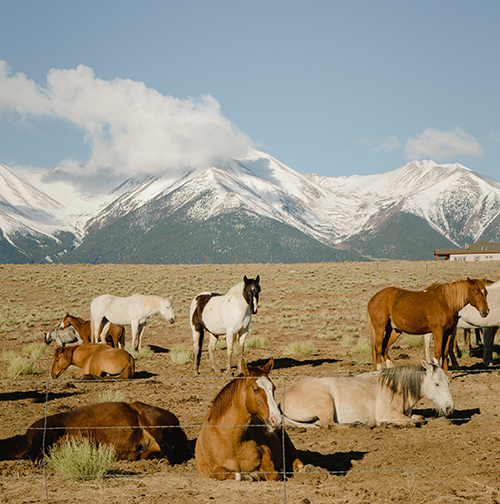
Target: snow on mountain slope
[{"x": 453, "y": 199}]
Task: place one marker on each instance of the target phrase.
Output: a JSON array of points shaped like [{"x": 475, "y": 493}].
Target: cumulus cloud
[
  {"x": 442, "y": 145},
  {"x": 130, "y": 128}
]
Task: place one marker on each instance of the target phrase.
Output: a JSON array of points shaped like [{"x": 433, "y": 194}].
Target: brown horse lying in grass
[
  {"x": 240, "y": 438},
  {"x": 115, "y": 335},
  {"x": 96, "y": 359},
  {"x": 136, "y": 431}
]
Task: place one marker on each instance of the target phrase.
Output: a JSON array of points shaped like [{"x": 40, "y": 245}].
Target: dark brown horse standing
[
  {"x": 136, "y": 431},
  {"x": 115, "y": 335},
  {"x": 432, "y": 310},
  {"x": 239, "y": 438}
]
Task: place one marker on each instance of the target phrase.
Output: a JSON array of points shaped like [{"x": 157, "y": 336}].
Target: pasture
[{"x": 312, "y": 320}]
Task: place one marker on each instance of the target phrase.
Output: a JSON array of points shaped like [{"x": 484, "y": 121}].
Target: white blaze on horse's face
[
  {"x": 436, "y": 387},
  {"x": 274, "y": 412},
  {"x": 167, "y": 310}
]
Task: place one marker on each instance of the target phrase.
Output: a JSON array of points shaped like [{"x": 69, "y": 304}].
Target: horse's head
[
  {"x": 66, "y": 321},
  {"x": 61, "y": 361},
  {"x": 436, "y": 387},
  {"x": 251, "y": 293},
  {"x": 167, "y": 309},
  {"x": 259, "y": 390},
  {"x": 477, "y": 296}
]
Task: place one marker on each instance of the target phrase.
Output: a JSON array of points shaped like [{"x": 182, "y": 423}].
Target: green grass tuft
[
  {"x": 181, "y": 355},
  {"x": 81, "y": 459}
]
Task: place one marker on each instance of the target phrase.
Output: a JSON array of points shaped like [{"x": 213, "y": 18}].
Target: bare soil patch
[{"x": 448, "y": 460}]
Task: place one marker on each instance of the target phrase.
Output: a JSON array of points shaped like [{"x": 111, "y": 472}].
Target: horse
[
  {"x": 384, "y": 396},
  {"x": 99, "y": 360},
  {"x": 469, "y": 318},
  {"x": 115, "y": 334},
  {"x": 229, "y": 315},
  {"x": 63, "y": 336},
  {"x": 239, "y": 438},
  {"x": 134, "y": 310},
  {"x": 135, "y": 430},
  {"x": 433, "y": 310}
]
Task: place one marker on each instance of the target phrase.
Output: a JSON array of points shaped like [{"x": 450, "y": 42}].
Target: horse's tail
[
  {"x": 126, "y": 373},
  {"x": 372, "y": 337},
  {"x": 199, "y": 330}
]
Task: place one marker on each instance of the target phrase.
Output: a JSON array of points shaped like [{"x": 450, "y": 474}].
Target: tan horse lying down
[
  {"x": 136, "y": 431},
  {"x": 240, "y": 438},
  {"x": 370, "y": 398},
  {"x": 114, "y": 335},
  {"x": 97, "y": 359}
]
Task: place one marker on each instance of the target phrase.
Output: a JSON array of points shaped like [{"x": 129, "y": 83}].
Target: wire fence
[{"x": 45, "y": 388}]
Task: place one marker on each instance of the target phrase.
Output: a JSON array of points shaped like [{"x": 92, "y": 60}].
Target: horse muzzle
[
  {"x": 484, "y": 313},
  {"x": 171, "y": 320}
]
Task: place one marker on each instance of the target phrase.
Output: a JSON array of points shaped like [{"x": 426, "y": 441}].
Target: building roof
[{"x": 476, "y": 248}]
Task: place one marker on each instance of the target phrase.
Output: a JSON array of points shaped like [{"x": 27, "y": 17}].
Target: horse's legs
[
  {"x": 134, "y": 327},
  {"x": 211, "y": 352},
  {"x": 230, "y": 342},
  {"x": 139, "y": 335},
  {"x": 104, "y": 331},
  {"x": 488, "y": 339},
  {"x": 427, "y": 346},
  {"x": 388, "y": 340},
  {"x": 452, "y": 344},
  {"x": 197, "y": 347},
  {"x": 241, "y": 348},
  {"x": 441, "y": 347}
]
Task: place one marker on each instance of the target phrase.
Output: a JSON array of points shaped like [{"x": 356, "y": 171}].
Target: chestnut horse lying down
[
  {"x": 115, "y": 334},
  {"x": 136, "y": 431},
  {"x": 241, "y": 437},
  {"x": 386, "y": 396},
  {"x": 96, "y": 359}
]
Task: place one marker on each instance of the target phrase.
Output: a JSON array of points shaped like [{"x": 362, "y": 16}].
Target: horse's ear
[
  {"x": 257, "y": 279},
  {"x": 245, "y": 279},
  {"x": 244, "y": 368},
  {"x": 269, "y": 366}
]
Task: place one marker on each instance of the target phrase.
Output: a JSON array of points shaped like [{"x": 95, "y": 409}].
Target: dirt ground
[{"x": 447, "y": 460}]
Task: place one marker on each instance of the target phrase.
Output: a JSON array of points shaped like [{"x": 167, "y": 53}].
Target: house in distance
[{"x": 479, "y": 251}]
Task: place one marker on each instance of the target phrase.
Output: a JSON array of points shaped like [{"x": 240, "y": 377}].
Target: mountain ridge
[{"x": 347, "y": 215}]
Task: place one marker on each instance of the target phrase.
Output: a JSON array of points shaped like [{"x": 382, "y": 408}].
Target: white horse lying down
[
  {"x": 369, "y": 398},
  {"x": 134, "y": 310}
]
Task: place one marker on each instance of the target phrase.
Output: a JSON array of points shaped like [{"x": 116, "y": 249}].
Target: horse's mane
[
  {"x": 456, "y": 293},
  {"x": 225, "y": 397},
  {"x": 239, "y": 288},
  {"x": 405, "y": 380}
]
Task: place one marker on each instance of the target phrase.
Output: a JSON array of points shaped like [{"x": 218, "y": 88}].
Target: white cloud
[
  {"x": 131, "y": 128},
  {"x": 392, "y": 143},
  {"x": 442, "y": 145}
]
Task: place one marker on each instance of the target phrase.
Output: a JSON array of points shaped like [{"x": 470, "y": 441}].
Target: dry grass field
[{"x": 312, "y": 320}]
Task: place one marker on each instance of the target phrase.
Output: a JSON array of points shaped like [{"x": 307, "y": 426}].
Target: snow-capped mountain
[{"x": 256, "y": 199}]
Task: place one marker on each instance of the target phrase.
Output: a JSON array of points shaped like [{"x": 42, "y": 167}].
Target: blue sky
[{"x": 332, "y": 87}]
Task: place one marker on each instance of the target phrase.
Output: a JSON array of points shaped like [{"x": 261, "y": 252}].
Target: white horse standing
[
  {"x": 227, "y": 315},
  {"x": 369, "y": 398},
  {"x": 469, "y": 318},
  {"x": 134, "y": 310}
]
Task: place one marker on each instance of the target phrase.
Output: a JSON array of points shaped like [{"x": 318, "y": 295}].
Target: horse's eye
[
  {"x": 437, "y": 384},
  {"x": 256, "y": 391}
]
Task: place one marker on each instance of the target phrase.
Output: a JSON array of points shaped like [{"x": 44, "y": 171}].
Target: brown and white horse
[
  {"x": 226, "y": 315},
  {"x": 432, "y": 310},
  {"x": 96, "y": 359},
  {"x": 241, "y": 436},
  {"x": 115, "y": 334}
]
